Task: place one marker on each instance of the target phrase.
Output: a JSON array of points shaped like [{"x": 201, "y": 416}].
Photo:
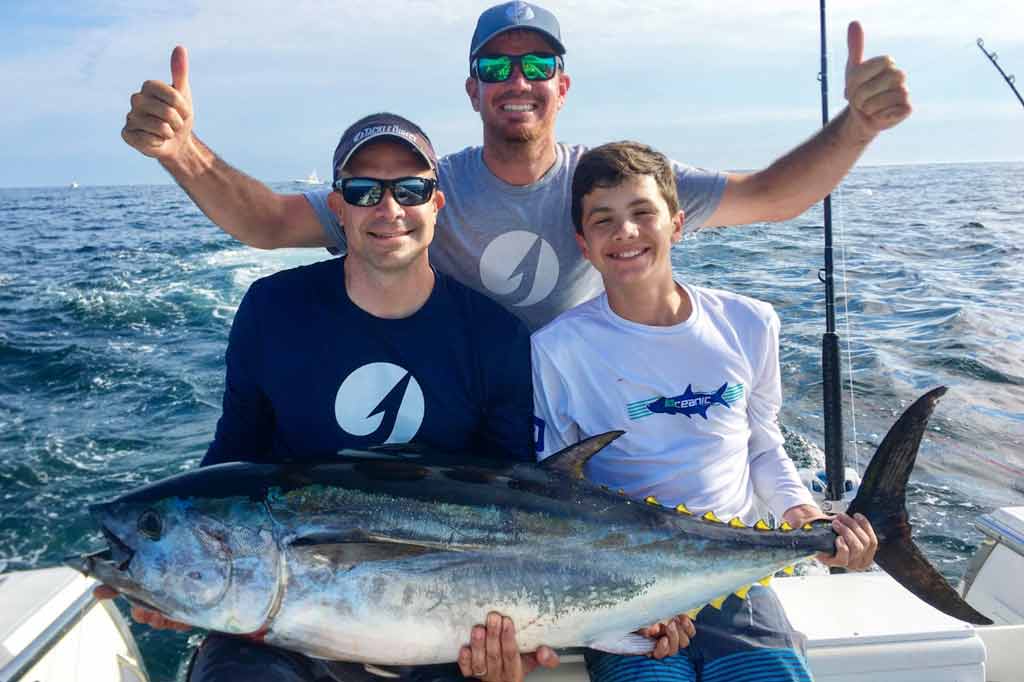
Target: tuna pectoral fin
[
  {"x": 348, "y": 554},
  {"x": 882, "y": 499},
  {"x": 571, "y": 459},
  {"x": 357, "y": 547},
  {"x": 630, "y": 644}
]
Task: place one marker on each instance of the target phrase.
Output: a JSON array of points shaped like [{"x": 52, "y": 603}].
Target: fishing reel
[{"x": 816, "y": 482}]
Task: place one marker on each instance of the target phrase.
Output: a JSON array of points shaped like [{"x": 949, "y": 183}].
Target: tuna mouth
[
  {"x": 104, "y": 564},
  {"x": 119, "y": 553},
  {"x": 86, "y": 563}
]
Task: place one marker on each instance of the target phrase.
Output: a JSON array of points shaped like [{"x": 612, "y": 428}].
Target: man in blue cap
[{"x": 506, "y": 228}]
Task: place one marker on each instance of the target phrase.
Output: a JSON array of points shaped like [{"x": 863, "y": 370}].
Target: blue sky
[{"x": 727, "y": 84}]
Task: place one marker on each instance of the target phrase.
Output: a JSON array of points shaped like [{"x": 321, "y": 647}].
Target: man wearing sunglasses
[
  {"x": 505, "y": 228},
  {"x": 369, "y": 349}
]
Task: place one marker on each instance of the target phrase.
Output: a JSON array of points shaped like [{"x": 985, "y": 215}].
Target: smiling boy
[{"x": 691, "y": 374}]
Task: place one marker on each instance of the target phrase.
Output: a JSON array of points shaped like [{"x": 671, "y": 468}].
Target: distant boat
[
  {"x": 311, "y": 179},
  {"x": 73, "y": 185}
]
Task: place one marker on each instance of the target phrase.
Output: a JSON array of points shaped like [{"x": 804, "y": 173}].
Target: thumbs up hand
[
  {"x": 159, "y": 124},
  {"x": 876, "y": 89}
]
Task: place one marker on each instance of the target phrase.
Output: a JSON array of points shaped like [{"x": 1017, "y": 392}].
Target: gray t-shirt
[{"x": 516, "y": 244}]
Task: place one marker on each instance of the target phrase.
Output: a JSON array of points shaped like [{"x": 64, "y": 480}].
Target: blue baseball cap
[{"x": 510, "y": 16}]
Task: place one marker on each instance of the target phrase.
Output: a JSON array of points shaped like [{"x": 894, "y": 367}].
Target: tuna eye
[{"x": 150, "y": 524}]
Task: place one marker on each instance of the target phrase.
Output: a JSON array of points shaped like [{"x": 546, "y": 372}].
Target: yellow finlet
[
  {"x": 682, "y": 509},
  {"x": 736, "y": 523},
  {"x": 710, "y": 516},
  {"x": 692, "y": 613},
  {"x": 789, "y": 570},
  {"x": 717, "y": 603},
  {"x": 807, "y": 526},
  {"x": 765, "y": 580},
  {"x": 743, "y": 592},
  {"x": 785, "y": 527},
  {"x": 651, "y": 499},
  {"x": 762, "y": 525}
]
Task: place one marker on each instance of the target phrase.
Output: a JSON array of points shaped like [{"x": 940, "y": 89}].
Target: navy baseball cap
[
  {"x": 375, "y": 126},
  {"x": 510, "y": 16}
]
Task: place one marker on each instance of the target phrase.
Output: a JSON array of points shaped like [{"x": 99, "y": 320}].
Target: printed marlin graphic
[
  {"x": 321, "y": 558},
  {"x": 690, "y": 403}
]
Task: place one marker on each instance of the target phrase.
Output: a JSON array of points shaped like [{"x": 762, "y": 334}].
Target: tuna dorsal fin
[{"x": 571, "y": 459}]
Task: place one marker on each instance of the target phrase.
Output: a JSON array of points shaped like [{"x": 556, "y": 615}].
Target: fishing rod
[
  {"x": 993, "y": 57},
  {"x": 835, "y": 466}
]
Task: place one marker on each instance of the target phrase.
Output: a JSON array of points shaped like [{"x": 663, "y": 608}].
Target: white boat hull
[{"x": 52, "y": 630}]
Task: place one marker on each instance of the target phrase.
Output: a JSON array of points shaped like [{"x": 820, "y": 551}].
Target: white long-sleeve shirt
[{"x": 698, "y": 402}]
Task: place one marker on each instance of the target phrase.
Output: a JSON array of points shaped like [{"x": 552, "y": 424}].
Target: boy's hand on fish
[
  {"x": 670, "y": 636},
  {"x": 856, "y": 542},
  {"x": 493, "y": 654},
  {"x": 153, "y": 619}
]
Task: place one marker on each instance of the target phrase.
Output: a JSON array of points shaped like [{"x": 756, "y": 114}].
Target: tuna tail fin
[{"x": 882, "y": 499}]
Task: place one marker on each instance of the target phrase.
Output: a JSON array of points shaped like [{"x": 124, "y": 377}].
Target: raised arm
[
  {"x": 159, "y": 125},
  {"x": 878, "y": 99}
]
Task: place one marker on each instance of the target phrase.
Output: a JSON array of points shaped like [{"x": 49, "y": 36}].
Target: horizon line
[{"x": 882, "y": 164}]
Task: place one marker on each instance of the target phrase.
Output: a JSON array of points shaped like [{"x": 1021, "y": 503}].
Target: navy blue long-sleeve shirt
[{"x": 310, "y": 373}]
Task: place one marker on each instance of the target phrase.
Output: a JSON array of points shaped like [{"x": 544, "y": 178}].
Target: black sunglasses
[
  {"x": 497, "y": 68},
  {"x": 410, "y": 191}
]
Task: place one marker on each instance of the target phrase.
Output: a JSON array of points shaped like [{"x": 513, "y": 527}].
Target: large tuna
[{"x": 332, "y": 560}]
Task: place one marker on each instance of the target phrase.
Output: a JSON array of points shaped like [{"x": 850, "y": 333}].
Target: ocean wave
[{"x": 974, "y": 368}]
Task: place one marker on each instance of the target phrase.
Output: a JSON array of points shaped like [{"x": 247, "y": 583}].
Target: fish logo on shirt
[
  {"x": 380, "y": 402},
  {"x": 688, "y": 403},
  {"x": 519, "y": 268}
]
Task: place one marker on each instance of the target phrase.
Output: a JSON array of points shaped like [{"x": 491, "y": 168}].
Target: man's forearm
[
  {"x": 797, "y": 180},
  {"x": 809, "y": 172},
  {"x": 243, "y": 206}
]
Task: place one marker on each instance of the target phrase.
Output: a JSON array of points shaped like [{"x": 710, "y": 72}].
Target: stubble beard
[
  {"x": 516, "y": 136},
  {"x": 522, "y": 135}
]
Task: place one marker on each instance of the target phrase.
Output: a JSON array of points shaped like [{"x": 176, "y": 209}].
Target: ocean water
[{"x": 115, "y": 305}]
